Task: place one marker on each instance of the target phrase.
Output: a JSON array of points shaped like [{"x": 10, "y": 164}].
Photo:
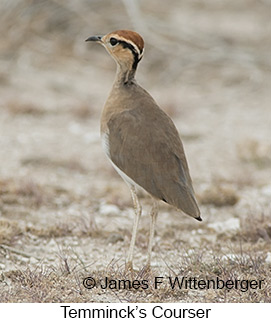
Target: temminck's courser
[{"x": 140, "y": 139}]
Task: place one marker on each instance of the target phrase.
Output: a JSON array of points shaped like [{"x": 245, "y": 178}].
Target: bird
[{"x": 140, "y": 139}]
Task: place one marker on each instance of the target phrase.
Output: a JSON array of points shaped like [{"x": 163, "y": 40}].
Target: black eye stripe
[
  {"x": 128, "y": 45},
  {"x": 114, "y": 41},
  {"x": 133, "y": 50}
]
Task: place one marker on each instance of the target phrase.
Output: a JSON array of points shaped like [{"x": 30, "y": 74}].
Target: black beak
[{"x": 95, "y": 38}]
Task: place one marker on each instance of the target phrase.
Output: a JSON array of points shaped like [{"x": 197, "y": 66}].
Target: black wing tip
[{"x": 199, "y": 218}]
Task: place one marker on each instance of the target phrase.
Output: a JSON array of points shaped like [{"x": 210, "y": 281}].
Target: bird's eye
[{"x": 113, "y": 41}]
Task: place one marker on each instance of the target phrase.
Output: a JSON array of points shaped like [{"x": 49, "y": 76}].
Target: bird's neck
[{"x": 125, "y": 75}]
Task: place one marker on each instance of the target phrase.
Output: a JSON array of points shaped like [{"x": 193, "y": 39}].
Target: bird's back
[{"x": 144, "y": 143}]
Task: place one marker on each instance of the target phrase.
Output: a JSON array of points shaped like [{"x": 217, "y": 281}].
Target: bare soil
[{"x": 64, "y": 212}]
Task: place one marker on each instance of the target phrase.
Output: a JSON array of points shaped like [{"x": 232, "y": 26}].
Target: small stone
[
  {"x": 268, "y": 258},
  {"x": 266, "y": 190},
  {"x": 109, "y": 209},
  {"x": 33, "y": 260},
  {"x": 114, "y": 238}
]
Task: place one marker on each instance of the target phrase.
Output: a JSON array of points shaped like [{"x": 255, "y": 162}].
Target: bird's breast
[{"x": 106, "y": 148}]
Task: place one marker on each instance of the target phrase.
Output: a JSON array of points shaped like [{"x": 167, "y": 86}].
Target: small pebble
[
  {"x": 114, "y": 238},
  {"x": 268, "y": 258},
  {"x": 109, "y": 209}
]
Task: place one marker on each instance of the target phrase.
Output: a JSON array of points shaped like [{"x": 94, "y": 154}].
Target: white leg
[
  {"x": 154, "y": 212},
  {"x": 138, "y": 210}
]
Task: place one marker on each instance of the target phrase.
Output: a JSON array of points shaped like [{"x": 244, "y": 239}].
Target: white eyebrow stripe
[{"x": 141, "y": 54}]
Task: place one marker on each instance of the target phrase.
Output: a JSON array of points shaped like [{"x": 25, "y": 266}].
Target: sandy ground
[{"x": 64, "y": 212}]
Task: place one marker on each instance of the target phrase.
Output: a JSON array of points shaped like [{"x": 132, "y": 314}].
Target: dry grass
[
  {"x": 238, "y": 265},
  {"x": 44, "y": 162},
  {"x": 9, "y": 231},
  {"x": 19, "y": 108},
  {"x": 255, "y": 152},
  {"x": 40, "y": 286},
  {"x": 83, "y": 112},
  {"x": 64, "y": 283},
  {"x": 257, "y": 227},
  {"x": 219, "y": 195},
  {"x": 72, "y": 226},
  {"x": 22, "y": 191}
]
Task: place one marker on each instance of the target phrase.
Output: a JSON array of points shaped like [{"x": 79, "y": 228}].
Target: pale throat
[{"x": 125, "y": 72}]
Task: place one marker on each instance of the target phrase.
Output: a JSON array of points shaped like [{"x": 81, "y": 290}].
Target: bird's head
[{"x": 125, "y": 46}]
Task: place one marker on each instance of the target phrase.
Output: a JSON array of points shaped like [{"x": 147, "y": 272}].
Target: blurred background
[
  {"x": 208, "y": 65},
  {"x": 206, "y": 62}
]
